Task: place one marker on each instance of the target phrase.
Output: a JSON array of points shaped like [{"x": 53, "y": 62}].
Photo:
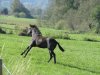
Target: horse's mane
[{"x": 37, "y": 29}]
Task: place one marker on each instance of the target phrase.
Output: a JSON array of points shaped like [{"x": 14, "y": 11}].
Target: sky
[{"x": 34, "y": 3}]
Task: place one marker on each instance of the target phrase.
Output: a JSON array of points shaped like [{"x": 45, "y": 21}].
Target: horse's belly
[{"x": 43, "y": 45}]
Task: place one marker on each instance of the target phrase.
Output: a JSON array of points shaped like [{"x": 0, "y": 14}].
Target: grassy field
[
  {"x": 52, "y": 32},
  {"x": 81, "y": 57},
  {"x": 16, "y": 21}
]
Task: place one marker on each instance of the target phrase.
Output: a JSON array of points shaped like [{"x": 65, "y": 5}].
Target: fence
[{"x": 0, "y": 66}]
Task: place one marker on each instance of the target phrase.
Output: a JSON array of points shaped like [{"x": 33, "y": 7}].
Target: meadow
[
  {"x": 16, "y": 21},
  {"x": 81, "y": 57}
]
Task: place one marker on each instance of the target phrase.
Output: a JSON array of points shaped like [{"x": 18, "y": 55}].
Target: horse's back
[{"x": 44, "y": 42}]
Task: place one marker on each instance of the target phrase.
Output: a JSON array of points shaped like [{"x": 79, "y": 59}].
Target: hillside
[
  {"x": 79, "y": 58},
  {"x": 72, "y": 23},
  {"x": 75, "y": 15}
]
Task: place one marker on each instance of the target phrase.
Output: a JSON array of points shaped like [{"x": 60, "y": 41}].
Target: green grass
[
  {"x": 79, "y": 58},
  {"x": 18, "y": 21},
  {"x": 83, "y": 36},
  {"x": 45, "y": 31},
  {"x": 54, "y": 33}
]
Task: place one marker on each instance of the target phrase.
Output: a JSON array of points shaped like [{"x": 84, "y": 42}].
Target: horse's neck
[{"x": 35, "y": 34}]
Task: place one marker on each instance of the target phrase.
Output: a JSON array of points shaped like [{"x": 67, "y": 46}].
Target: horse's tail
[{"x": 60, "y": 47}]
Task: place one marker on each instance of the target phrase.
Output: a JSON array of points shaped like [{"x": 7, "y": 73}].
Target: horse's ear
[
  {"x": 33, "y": 26},
  {"x": 30, "y": 25}
]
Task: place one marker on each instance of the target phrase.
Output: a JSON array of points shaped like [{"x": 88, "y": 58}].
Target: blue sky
[{"x": 34, "y": 3}]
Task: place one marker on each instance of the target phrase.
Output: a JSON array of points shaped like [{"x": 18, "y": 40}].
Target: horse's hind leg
[
  {"x": 50, "y": 56},
  {"x": 25, "y": 50},
  {"x": 54, "y": 55}
]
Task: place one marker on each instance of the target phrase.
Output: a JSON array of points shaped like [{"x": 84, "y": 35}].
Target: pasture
[
  {"x": 16, "y": 21},
  {"x": 81, "y": 57}
]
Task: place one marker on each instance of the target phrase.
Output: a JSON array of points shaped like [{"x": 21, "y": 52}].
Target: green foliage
[
  {"x": 2, "y": 31},
  {"x": 90, "y": 39},
  {"x": 16, "y": 6},
  {"x": 59, "y": 35},
  {"x": 96, "y": 13},
  {"x": 16, "y": 14},
  {"x": 96, "y": 16},
  {"x": 19, "y": 10},
  {"x": 72, "y": 4},
  {"x": 22, "y": 14},
  {"x": 4, "y": 11},
  {"x": 76, "y": 14},
  {"x": 60, "y": 24}
]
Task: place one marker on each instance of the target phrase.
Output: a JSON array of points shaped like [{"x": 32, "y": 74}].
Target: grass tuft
[{"x": 91, "y": 40}]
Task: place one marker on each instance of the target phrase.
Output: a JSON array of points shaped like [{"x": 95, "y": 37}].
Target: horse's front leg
[
  {"x": 25, "y": 50},
  {"x": 28, "y": 51}
]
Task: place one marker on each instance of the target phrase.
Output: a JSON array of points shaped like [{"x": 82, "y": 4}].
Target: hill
[
  {"x": 79, "y": 58},
  {"x": 73, "y": 15}
]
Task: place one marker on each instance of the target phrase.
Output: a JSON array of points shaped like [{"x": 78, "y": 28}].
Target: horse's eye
[{"x": 29, "y": 28}]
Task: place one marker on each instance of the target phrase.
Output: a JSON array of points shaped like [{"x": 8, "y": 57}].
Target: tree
[
  {"x": 74, "y": 15},
  {"x": 4, "y": 11},
  {"x": 18, "y": 7},
  {"x": 36, "y": 12},
  {"x": 96, "y": 16}
]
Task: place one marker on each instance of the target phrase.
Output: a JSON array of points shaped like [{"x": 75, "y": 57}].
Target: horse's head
[
  {"x": 33, "y": 29},
  {"x": 30, "y": 29},
  {"x": 33, "y": 26}
]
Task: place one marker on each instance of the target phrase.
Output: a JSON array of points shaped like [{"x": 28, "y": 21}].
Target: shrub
[
  {"x": 10, "y": 32},
  {"x": 60, "y": 25},
  {"x": 58, "y": 35},
  {"x": 22, "y": 15},
  {"x": 2, "y": 31},
  {"x": 16, "y": 14},
  {"x": 96, "y": 13},
  {"x": 96, "y": 16},
  {"x": 90, "y": 39},
  {"x": 4, "y": 11},
  {"x": 24, "y": 32}
]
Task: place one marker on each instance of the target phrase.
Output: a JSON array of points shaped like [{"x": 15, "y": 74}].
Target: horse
[{"x": 42, "y": 42}]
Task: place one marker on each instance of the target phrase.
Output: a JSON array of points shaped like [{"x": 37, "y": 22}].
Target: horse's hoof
[
  {"x": 48, "y": 61},
  {"x": 21, "y": 54},
  {"x": 24, "y": 56},
  {"x": 54, "y": 62}
]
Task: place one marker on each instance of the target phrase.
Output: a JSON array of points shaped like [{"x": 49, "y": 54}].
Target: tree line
[
  {"x": 74, "y": 15},
  {"x": 19, "y": 10}
]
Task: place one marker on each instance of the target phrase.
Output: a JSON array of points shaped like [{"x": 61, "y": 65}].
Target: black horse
[{"x": 43, "y": 42}]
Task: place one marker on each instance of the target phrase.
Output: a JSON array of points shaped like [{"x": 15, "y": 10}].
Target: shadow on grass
[
  {"x": 83, "y": 69},
  {"x": 91, "y": 40}
]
